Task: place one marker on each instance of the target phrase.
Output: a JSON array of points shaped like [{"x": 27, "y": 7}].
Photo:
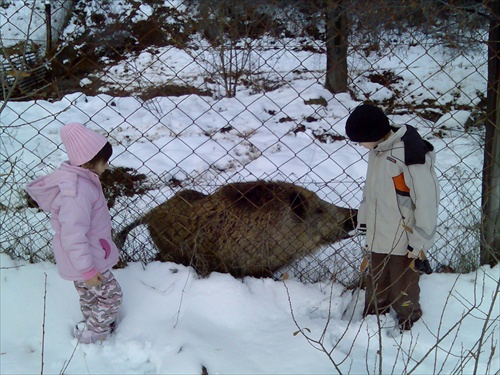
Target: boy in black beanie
[{"x": 398, "y": 212}]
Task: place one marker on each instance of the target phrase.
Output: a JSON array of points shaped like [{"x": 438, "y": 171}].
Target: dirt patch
[{"x": 124, "y": 182}]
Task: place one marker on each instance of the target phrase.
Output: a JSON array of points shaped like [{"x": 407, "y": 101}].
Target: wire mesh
[{"x": 200, "y": 94}]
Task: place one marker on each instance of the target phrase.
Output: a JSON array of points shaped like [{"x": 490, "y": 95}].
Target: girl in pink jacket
[{"x": 82, "y": 244}]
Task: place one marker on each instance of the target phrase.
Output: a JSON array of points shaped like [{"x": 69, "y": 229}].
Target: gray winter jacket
[{"x": 401, "y": 195}]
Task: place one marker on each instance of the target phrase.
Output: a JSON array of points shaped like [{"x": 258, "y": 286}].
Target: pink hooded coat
[{"x": 82, "y": 242}]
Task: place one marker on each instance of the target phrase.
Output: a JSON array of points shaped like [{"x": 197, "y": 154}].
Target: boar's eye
[{"x": 320, "y": 211}]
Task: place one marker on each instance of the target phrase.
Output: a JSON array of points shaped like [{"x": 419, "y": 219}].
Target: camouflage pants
[{"x": 100, "y": 304}]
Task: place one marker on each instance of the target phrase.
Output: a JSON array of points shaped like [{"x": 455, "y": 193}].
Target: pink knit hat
[{"x": 81, "y": 143}]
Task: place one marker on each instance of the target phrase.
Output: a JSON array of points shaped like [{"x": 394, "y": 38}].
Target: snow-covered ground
[{"x": 173, "y": 322}]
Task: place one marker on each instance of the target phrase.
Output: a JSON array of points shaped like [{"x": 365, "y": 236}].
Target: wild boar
[{"x": 245, "y": 229}]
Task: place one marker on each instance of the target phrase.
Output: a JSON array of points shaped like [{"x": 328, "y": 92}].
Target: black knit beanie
[{"x": 367, "y": 123}]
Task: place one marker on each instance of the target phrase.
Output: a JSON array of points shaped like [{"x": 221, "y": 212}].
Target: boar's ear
[
  {"x": 299, "y": 204},
  {"x": 190, "y": 195},
  {"x": 248, "y": 195}
]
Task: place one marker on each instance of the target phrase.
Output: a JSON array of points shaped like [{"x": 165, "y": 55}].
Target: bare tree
[
  {"x": 232, "y": 28},
  {"x": 490, "y": 239},
  {"x": 336, "y": 46}
]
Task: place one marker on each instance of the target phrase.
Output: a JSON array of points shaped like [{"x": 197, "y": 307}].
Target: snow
[{"x": 173, "y": 322}]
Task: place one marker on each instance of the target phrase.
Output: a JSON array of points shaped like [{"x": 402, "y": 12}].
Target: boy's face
[
  {"x": 372, "y": 145},
  {"x": 369, "y": 145}
]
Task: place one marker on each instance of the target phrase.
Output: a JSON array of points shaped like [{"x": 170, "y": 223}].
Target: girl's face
[{"x": 100, "y": 167}]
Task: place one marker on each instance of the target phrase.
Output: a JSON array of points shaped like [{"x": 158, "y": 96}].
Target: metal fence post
[{"x": 48, "y": 18}]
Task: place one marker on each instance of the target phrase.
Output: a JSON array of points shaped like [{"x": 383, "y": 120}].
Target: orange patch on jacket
[{"x": 400, "y": 184}]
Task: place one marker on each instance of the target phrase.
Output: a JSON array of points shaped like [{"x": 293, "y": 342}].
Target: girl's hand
[{"x": 96, "y": 280}]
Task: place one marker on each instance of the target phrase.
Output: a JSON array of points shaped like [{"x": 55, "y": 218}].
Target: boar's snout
[
  {"x": 352, "y": 220},
  {"x": 349, "y": 223}
]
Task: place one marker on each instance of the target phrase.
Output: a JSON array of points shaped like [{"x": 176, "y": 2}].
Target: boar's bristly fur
[{"x": 245, "y": 229}]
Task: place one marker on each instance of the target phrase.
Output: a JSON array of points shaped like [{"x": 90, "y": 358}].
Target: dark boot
[
  {"x": 407, "y": 324},
  {"x": 381, "y": 309}
]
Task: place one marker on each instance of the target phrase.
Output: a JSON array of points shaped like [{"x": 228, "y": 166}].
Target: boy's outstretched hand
[
  {"x": 420, "y": 264},
  {"x": 413, "y": 255},
  {"x": 96, "y": 280},
  {"x": 423, "y": 266}
]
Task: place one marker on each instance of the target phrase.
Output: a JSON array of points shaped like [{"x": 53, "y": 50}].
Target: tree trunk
[
  {"x": 336, "y": 47},
  {"x": 490, "y": 229}
]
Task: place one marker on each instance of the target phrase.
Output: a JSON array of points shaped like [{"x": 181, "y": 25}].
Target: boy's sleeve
[
  {"x": 361, "y": 225},
  {"x": 424, "y": 192}
]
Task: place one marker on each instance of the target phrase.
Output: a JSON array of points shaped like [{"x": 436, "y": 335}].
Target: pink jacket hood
[
  {"x": 46, "y": 189},
  {"x": 80, "y": 218}
]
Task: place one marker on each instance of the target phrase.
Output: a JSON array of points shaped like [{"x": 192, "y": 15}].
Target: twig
[
  {"x": 489, "y": 318},
  {"x": 66, "y": 363},
  {"x": 8, "y": 268},
  {"x": 182, "y": 298},
  {"x": 43, "y": 322},
  {"x": 156, "y": 289},
  {"x": 316, "y": 344}
]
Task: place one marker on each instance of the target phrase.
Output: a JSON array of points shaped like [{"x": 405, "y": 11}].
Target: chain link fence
[{"x": 199, "y": 94}]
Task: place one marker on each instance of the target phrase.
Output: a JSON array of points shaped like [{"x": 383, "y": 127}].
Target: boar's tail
[{"x": 121, "y": 236}]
